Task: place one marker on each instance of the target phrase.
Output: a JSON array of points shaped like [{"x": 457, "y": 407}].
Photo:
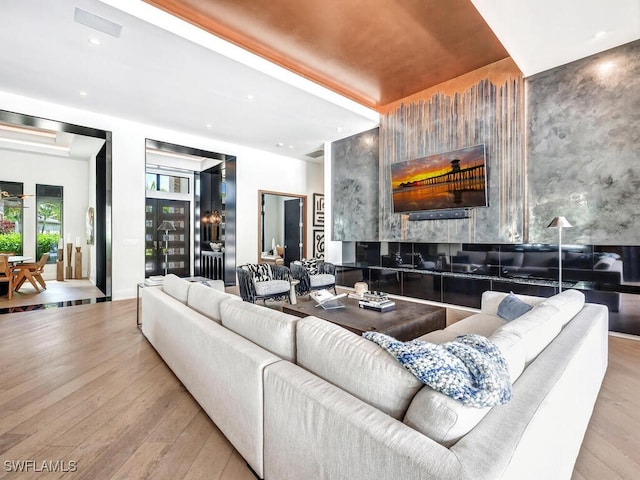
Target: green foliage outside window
[
  {"x": 11, "y": 242},
  {"x": 47, "y": 243}
]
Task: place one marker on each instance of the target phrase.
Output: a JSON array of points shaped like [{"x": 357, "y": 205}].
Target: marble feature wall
[
  {"x": 485, "y": 113},
  {"x": 355, "y": 187},
  {"x": 584, "y": 149}
]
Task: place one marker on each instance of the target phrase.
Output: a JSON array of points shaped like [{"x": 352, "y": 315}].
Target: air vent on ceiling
[
  {"x": 97, "y": 23},
  {"x": 316, "y": 154}
]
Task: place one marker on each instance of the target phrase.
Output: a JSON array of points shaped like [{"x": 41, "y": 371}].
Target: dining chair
[
  {"x": 7, "y": 275},
  {"x": 31, "y": 272}
]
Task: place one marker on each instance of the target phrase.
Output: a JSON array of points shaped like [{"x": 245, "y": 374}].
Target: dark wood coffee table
[{"x": 408, "y": 321}]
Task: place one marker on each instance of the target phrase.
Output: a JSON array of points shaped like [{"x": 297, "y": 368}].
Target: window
[
  {"x": 49, "y": 220},
  {"x": 11, "y": 217},
  {"x": 166, "y": 183}
]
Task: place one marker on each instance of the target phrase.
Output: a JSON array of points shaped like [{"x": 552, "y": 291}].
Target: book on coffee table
[
  {"x": 326, "y": 300},
  {"x": 378, "y": 306}
]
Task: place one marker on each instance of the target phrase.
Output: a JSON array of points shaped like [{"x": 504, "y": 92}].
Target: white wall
[
  {"x": 256, "y": 170},
  {"x": 38, "y": 168},
  {"x": 333, "y": 250}
]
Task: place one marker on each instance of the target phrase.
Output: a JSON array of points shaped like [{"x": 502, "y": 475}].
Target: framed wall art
[
  {"x": 318, "y": 210},
  {"x": 318, "y": 244}
]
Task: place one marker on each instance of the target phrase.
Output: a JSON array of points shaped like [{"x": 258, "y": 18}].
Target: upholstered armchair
[
  {"x": 313, "y": 275},
  {"x": 261, "y": 281}
]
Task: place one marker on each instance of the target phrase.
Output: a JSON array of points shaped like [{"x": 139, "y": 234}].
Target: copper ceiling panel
[{"x": 372, "y": 51}]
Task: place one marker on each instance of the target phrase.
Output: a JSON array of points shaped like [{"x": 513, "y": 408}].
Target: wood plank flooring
[{"x": 80, "y": 386}]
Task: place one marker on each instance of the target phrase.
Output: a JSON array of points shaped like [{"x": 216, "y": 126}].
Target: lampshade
[
  {"x": 559, "y": 222},
  {"x": 166, "y": 226},
  {"x": 215, "y": 218}
]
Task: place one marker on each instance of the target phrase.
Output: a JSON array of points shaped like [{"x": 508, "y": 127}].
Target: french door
[{"x": 167, "y": 251}]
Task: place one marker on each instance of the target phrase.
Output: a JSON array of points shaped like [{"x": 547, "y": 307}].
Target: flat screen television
[{"x": 456, "y": 179}]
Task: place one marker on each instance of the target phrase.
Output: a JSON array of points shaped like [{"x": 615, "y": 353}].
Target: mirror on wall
[{"x": 282, "y": 227}]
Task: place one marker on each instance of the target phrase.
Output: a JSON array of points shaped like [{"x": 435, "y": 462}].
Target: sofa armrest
[{"x": 335, "y": 423}]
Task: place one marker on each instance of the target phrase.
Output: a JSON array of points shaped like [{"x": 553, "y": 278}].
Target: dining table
[{"x": 13, "y": 259}]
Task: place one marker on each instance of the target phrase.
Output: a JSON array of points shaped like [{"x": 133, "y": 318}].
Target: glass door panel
[{"x": 167, "y": 250}]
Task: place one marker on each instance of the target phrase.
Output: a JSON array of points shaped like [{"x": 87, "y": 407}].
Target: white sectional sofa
[{"x": 303, "y": 398}]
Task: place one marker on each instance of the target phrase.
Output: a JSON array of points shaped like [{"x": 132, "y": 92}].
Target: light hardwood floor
[{"x": 82, "y": 384}]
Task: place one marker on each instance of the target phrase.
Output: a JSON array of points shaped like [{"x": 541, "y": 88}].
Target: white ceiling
[
  {"x": 156, "y": 77},
  {"x": 543, "y": 34},
  {"x": 165, "y": 72}
]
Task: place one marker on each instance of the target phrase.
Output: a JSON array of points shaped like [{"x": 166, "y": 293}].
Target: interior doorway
[
  {"x": 167, "y": 251},
  {"x": 195, "y": 194},
  {"x": 282, "y": 226},
  {"x": 55, "y": 145},
  {"x": 293, "y": 237}
]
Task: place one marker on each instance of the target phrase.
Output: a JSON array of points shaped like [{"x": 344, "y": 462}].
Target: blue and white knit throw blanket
[{"x": 470, "y": 368}]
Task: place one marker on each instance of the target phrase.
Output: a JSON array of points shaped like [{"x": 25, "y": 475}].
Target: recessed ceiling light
[
  {"x": 290, "y": 146},
  {"x": 250, "y": 97},
  {"x": 209, "y": 125},
  {"x": 600, "y": 34},
  {"x": 339, "y": 129},
  {"x": 94, "y": 41},
  {"x": 83, "y": 93},
  {"x": 279, "y": 144}
]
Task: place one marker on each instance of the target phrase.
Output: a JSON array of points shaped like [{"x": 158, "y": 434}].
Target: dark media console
[{"x": 458, "y": 274}]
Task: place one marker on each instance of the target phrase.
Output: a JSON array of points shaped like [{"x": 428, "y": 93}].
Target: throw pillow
[
  {"x": 511, "y": 307},
  {"x": 261, "y": 272},
  {"x": 311, "y": 266}
]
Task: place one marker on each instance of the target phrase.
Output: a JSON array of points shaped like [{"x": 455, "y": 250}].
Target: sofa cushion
[
  {"x": 271, "y": 329},
  {"x": 477, "y": 323},
  {"x": 206, "y": 300},
  {"x": 446, "y": 420},
  {"x": 536, "y": 328},
  {"x": 512, "y": 348},
  {"x": 568, "y": 303},
  {"x": 355, "y": 365},
  {"x": 272, "y": 287},
  {"x": 491, "y": 300},
  {"x": 177, "y": 287},
  {"x": 321, "y": 279},
  {"x": 511, "y": 307},
  {"x": 441, "y": 418}
]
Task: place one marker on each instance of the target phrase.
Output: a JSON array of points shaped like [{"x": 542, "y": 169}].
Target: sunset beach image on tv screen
[{"x": 455, "y": 179}]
